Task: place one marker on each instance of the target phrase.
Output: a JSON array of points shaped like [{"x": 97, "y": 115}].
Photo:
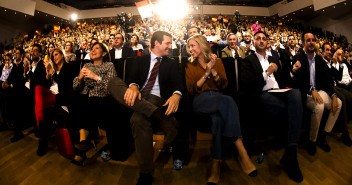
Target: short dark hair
[
  {"x": 304, "y": 33},
  {"x": 198, "y": 29},
  {"x": 20, "y": 49},
  {"x": 40, "y": 48},
  {"x": 323, "y": 47},
  {"x": 8, "y": 55},
  {"x": 123, "y": 38},
  {"x": 107, "y": 57},
  {"x": 158, "y": 36},
  {"x": 260, "y": 32}
]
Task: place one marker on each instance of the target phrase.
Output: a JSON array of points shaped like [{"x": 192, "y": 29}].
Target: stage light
[
  {"x": 171, "y": 9},
  {"x": 74, "y": 16}
]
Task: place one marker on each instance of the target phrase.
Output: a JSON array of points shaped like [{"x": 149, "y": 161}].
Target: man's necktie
[{"x": 148, "y": 87}]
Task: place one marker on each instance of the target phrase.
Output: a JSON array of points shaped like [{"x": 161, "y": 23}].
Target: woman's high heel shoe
[
  {"x": 80, "y": 162},
  {"x": 84, "y": 145},
  {"x": 253, "y": 172}
]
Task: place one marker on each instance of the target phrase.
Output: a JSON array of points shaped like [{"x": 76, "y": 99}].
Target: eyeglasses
[{"x": 118, "y": 38}]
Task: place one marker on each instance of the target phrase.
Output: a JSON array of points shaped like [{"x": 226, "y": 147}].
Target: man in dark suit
[
  {"x": 312, "y": 76},
  {"x": 118, "y": 51},
  {"x": 15, "y": 87},
  {"x": 191, "y": 31},
  {"x": 263, "y": 79},
  {"x": 336, "y": 68},
  {"x": 154, "y": 85},
  {"x": 35, "y": 74}
]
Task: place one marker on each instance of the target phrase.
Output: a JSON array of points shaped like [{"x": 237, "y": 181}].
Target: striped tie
[{"x": 148, "y": 87}]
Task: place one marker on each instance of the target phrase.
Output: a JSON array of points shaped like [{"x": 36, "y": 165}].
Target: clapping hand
[
  {"x": 272, "y": 68},
  {"x": 211, "y": 63},
  {"x": 296, "y": 66},
  {"x": 87, "y": 73}
]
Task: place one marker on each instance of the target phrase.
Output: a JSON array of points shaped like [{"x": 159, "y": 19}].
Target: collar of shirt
[
  {"x": 261, "y": 57},
  {"x": 328, "y": 63},
  {"x": 308, "y": 56},
  {"x": 233, "y": 51},
  {"x": 153, "y": 58}
]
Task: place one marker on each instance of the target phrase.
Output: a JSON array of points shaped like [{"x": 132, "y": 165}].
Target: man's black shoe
[
  {"x": 145, "y": 179},
  {"x": 345, "y": 138},
  {"x": 311, "y": 148},
  {"x": 17, "y": 137},
  {"x": 290, "y": 164}
]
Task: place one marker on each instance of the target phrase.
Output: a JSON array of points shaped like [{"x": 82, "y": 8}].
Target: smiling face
[
  {"x": 194, "y": 48},
  {"x": 309, "y": 43},
  {"x": 291, "y": 41},
  {"x": 96, "y": 53},
  {"x": 58, "y": 57},
  {"x": 232, "y": 41},
  {"x": 163, "y": 48},
  {"x": 327, "y": 52}
]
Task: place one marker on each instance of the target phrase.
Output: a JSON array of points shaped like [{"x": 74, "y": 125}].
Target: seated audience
[
  {"x": 262, "y": 73},
  {"x": 118, "y": 51},
  {"x": 311, "y": 75},
  {"x": 70, "y": 55},
  {"x": 232, "y": 50},
  {"x": 154, "y": 91},
  {"x": 59, "y": 94},
  {"x": 205, "y": 77},
  {"x": 92, "y": 103}
]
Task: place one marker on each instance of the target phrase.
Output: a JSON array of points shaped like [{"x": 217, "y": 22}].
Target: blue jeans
[
  {"x": 287, "y": 103},
  {"x": 224, "y": 114}
]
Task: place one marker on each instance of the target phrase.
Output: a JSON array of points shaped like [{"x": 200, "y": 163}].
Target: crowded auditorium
[{"x": 175, "y": 92}]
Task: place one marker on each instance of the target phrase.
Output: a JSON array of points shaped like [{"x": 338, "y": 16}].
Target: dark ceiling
[{"x": 95, "y": 4}]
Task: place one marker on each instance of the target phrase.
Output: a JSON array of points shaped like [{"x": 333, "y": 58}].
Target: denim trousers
[{"x": 224, "y": 114}]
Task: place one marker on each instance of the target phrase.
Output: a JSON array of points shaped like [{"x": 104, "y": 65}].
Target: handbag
[{"x": 62, "y": 136}]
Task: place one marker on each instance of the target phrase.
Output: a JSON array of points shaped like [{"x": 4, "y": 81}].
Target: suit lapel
[{"x": 256, "y": 64}]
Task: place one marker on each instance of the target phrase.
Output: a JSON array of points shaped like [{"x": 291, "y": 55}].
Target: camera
[{"x": 122, "y": 20}]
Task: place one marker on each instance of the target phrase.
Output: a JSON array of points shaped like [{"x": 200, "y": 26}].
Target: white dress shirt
[
  {"x": 346, "y": 78},
  {"x": 270, "y": 80},
  {"x": 118, "y": 53}
]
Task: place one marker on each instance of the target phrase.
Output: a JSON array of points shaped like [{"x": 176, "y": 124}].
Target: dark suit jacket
[
  {"x": 169, "y": 77},
  {"x": 65, "y": 83},
  {"x": 16, "y": 76},
  {"x": 252, "y": 81},
  {"x": 127, "y": 52},
  {"x": 38, "y": 77},
  {"x": 323, "y": 78}
]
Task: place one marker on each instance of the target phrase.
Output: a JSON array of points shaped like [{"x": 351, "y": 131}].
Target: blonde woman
[{"x": 205, "y": 77}]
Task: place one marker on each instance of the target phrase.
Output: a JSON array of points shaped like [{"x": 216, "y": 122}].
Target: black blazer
[
  {"x": 169, "y": 77},
  {"x": 127, "y": 52},
  {"x": 323, "y": 76},
  {"x": 252, "y": 80},
  {"x": 65, "y": 82},
  {"x": 38, "y": 77},
  {"x": 16, "y": 76}
]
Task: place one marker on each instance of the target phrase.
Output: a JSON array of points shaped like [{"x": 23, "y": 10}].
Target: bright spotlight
[
  {"x": 172, "y": 9},
  {"x": 74, "y": 16}
]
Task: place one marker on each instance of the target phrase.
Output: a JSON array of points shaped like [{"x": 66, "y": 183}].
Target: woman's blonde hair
[
  {"x": 204, "y": 46},
  {"x": 59, "y": 50}
]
